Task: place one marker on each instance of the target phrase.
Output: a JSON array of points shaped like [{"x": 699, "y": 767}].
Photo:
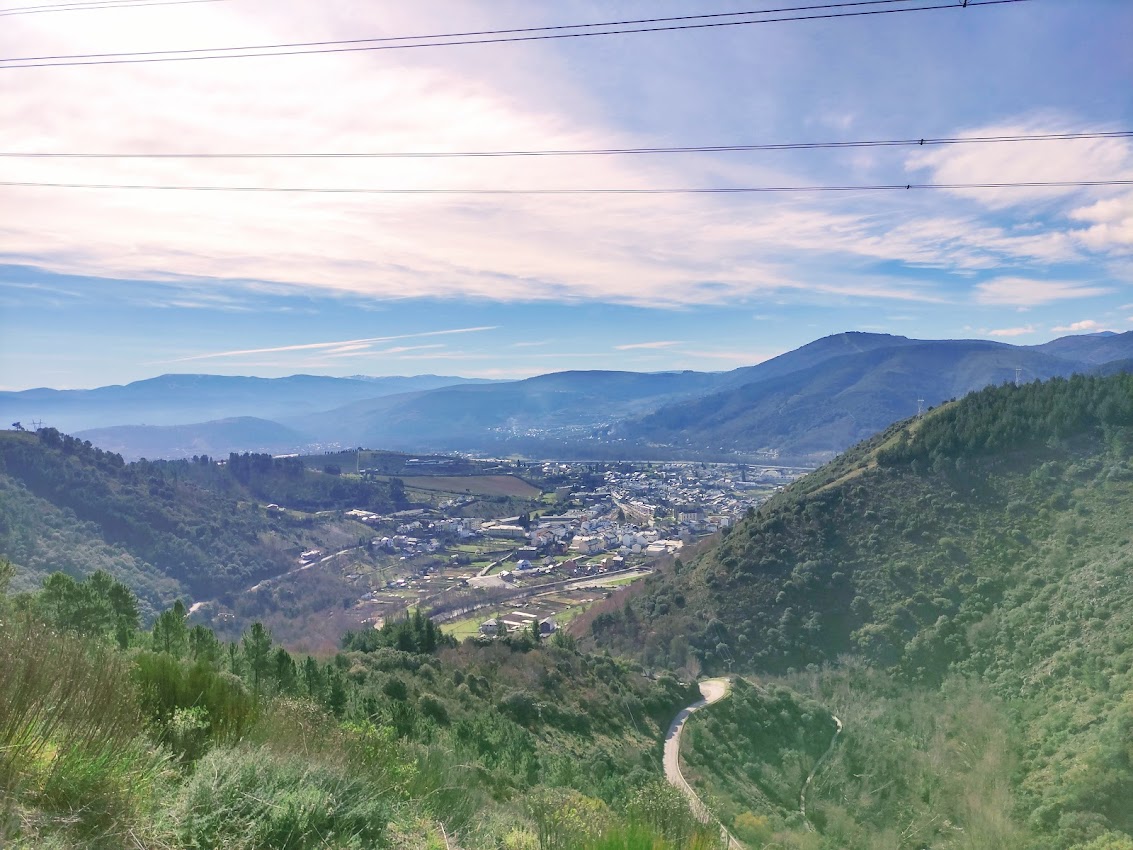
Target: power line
[
  {"x": 721, "y": 190},
  {"x": 96, "y": 6},
  {"x": 787, "y": 146},
  {"x": 482, "y": 37},
  {"x": 468, "y": 34},
  {"x": 483, "y": 32}
]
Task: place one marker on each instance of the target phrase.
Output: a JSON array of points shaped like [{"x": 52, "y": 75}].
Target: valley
[
  {"x": 925, "y": 639},
  {"x": 637, "y": 425},
  {"x": 343, "y": 540}
]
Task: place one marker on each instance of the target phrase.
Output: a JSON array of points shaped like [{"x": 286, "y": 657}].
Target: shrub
[
  {"x": 243, "y": 798},
  {"x": 566, "y": 819},
  {"x": 69, "y": 732}
]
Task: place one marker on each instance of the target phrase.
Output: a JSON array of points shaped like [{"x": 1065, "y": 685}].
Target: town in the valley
[{"x": 489, "y": 547}]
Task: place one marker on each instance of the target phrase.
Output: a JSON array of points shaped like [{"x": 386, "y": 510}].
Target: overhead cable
[
  {"x": 719, "y": 190},
  {"x": 485, "y": 36},
  {"x": 97, "y": 5},
  {"x": 786, "y": 146}
]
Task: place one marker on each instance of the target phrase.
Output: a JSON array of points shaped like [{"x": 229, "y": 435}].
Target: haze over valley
[{"x": 803, "y": 406}]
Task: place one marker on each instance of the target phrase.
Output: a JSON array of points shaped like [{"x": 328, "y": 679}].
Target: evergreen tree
[
  {"x": 204, "y": 647},
  {"x": 256, "y": 642},
  {"x": 170, "y": 633}
]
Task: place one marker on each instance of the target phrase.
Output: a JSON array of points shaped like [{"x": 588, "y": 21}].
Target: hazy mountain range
[
  {"x": 813, "y": 401},
  {"x": 189, "y": 399}
]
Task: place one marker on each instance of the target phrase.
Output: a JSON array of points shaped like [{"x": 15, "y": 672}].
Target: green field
[
  {"x": 466, "y": 628},
  {"x": 477, "y": 485}
]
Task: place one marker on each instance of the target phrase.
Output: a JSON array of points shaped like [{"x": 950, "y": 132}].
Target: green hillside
[
  {"x": 832, "y": 405},
  {"x": 177, "y": 529},
  {"x": 112, "y": 737},
  {"x": 959, "y": 590}
]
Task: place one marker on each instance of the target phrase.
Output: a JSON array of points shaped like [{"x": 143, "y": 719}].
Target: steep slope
[
  {"x": 813, "y": 353},
  {"x": 979, "y": 561},
  {"x": 164, "y": 529},
  {"x": 830, "y": 406}
]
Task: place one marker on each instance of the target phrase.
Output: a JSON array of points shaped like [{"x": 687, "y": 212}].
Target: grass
[
  {"x": 568, "y": 614},
  {"x": 70, "y": 745},
  {"x": 248, "y": 798},
  {"x": 476, "y": 485},
  {"x": 624, "y": 580},
  {"x": 461, "y": 629}
]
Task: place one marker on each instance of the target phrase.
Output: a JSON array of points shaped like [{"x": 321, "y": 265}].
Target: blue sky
[{"x": 101, "y": 287}]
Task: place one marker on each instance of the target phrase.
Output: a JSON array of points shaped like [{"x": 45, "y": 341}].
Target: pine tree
[{"x": 256, "y": 642}]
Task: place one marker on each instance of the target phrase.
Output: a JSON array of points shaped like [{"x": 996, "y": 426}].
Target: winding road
[{"x": 714, "y": 690}]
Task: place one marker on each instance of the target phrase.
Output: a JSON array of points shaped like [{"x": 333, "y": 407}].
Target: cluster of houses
[
  {"x": 626, "y": 510},
  {"x": 517, "y": 621}
]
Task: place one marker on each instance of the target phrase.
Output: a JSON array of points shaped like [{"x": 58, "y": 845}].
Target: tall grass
[
  {"x": 645, "y": 837},
  {"x": 70, "y": 733},
  {"x": 657, "y": 817},
  {"x": 248, "y": 798}
]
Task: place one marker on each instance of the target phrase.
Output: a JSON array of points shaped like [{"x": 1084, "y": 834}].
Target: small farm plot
[{"x": 475, "y": 485}]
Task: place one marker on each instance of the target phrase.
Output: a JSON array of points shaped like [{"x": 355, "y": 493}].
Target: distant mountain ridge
[
  {"x": 216, "y": 438},
  {"x": 479, "y": 416},
  {"x": 839, "y": 401},
  {"x": 821, "y": 350},
  {"x": 182, "y": 399},
  {"x": 808, "y": 403}
]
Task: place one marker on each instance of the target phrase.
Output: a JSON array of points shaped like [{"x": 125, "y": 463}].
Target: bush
[
  {"x": 245, "y": 798},
  {"x": 69, "y": 733},
  {"x": 665, "y": 810},
  {"x": 566, "y": 819}
]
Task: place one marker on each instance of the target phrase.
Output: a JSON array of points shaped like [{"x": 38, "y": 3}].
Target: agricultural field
[
  {"x": 476, "y": 485},
  {"x": 563, "y": 605}
]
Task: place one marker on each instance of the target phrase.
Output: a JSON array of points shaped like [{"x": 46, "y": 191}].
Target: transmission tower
[
  {"x": 1018, "y": 372},
  {"x": 920, "y": 408}
]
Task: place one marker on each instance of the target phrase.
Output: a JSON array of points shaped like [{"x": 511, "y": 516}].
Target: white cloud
[
  {"x": 1084, "y": 325},
  {"x": 655, "y": 251},
  {"x": 1009, "y": 332},
  {"x": 338, "y": 347},
  {"x": 658, "y": 344},
  {"x": 1110, "y": 224},
  {"x": 366, "y": 351},
  {"x": 1024, "y": 162},
  {"x": 1023, "y": 292}
]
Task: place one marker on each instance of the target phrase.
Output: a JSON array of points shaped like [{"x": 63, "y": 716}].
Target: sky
[{"x": 106, "y": 286}]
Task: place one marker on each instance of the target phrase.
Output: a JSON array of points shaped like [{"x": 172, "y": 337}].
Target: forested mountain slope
[
  {"x": 983, "y": 551},
  {"x": 116, "y": 737},
  {"x": 829, "y": 406},
  {"x": 174, "y": 529}
]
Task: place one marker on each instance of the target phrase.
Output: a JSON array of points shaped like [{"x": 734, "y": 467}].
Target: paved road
[{"x": 712, "y": 690}]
